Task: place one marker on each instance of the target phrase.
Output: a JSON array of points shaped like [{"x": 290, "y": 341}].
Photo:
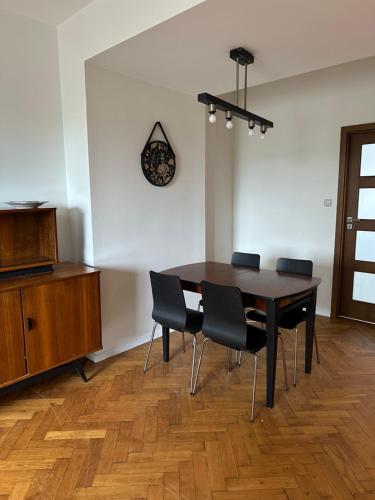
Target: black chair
[
  {"x": 293, "y": 318},
  {"x": 244, "y": 260},
  {"x": 170, "y": 311},
  {"x": 225, "y": 323},
  {"x": 241, "y": 259}
]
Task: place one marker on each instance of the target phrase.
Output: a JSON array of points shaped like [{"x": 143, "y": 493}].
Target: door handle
[
  {"x": 349, "y": 222},
  {"x": 29, "y": 324},
  {"x": 352, "y": 219}
]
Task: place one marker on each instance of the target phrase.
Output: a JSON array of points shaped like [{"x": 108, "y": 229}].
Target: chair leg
[
  {"x": 199, "y": 365},
  {"x": 183, "y": 341},
  {"x": 229, "y": 359},
  {"x": 284, "y": 363},
  {"x": 295, "y": 357},
  {"x": 238, "y": 358},
  {"x": 254, "y": 387},
  {"x": 193, "y": 363},
  {"x": 149, "y": 347},
  {"x": 316, "y": 348}
]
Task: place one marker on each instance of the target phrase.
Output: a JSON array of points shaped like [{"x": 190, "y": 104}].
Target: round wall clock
[{"x": 158, "y": 160}]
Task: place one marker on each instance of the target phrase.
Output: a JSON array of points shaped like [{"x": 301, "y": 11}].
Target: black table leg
[
  {"x": 165, "y": 344},
  {"x": 310, "y": 326},
  {"x": 272, "y": 309}
]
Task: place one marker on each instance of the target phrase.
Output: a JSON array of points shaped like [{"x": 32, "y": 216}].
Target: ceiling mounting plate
[{"x": 242, "y": 55}]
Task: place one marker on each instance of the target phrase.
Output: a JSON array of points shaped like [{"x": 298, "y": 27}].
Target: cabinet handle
[{"x": 29, "y": 324}]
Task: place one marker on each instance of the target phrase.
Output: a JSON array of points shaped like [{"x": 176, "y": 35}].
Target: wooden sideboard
[{"x": 48, "y": 320}]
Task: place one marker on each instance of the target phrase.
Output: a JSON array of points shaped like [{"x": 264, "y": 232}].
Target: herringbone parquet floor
[{"x": 129, "y": 435}]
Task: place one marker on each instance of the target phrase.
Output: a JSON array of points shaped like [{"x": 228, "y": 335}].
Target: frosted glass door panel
[
  {"x": 366, "y": 203},
  {"x": 368, "y": 159},
  {"x": 365, "y": 246},
  {"x": 364, "y": 287}
]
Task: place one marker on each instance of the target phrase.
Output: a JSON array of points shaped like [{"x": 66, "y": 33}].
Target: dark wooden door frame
[{"x": 346, "y": 133}]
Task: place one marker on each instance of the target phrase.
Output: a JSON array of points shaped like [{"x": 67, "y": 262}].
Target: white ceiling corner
[
  {"x": 51, "y": 12},
  {"x": 189, "y": 52}
]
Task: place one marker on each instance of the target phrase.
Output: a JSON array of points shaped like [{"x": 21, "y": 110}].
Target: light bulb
[
  {"x": 251, "y": 127},
  {"x": 262, "y": 135},
  {"x": 228, "y": 116},
  {"x": 212, "y": 111}
]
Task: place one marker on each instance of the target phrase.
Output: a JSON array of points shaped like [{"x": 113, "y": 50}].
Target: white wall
[
  {"x": 281, "y": 182},
  {"x": 97, "y": 27},
  {"x": 219, "y": 189},
  {"x": 137, "y": 226},
  {"x": 31, "y": 136}
]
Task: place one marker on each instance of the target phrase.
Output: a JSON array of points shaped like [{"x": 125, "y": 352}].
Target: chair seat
[
  {"x": 256, "y": 339},
  {"x": 194, "y": 321},
  {"x": 289, "y": 321},
  {"x": 255, "y": 315}
]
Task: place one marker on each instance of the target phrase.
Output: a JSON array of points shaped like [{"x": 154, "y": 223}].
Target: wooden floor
[{"x": 129, "y": 435}]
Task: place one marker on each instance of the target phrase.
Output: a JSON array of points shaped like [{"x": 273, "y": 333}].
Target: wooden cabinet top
[
  {"x": 26, "y": 210},
  {"x": 61, "y": 271}
]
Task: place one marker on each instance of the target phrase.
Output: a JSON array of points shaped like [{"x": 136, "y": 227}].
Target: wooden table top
[{"x": 261, "y": 283}]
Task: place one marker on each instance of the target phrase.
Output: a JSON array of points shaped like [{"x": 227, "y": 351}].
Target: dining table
[{"x": 273, "y": 292}]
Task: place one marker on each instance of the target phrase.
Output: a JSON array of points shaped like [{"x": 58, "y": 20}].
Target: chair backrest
[
  {"x": 246, "y": 259},
  {"x": 224, "y": 318},
  {"x": 295, "y": 266},
  {"x": 169, "y": 302}
]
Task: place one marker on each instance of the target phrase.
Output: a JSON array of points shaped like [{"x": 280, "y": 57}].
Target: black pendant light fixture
[{"x": 242, "y": 57}]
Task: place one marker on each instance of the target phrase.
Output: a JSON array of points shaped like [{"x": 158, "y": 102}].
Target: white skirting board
[{"x": 125, "y": 346}]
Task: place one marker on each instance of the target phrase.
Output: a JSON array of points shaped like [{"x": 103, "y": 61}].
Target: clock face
[{"x": 158, "y": 163}]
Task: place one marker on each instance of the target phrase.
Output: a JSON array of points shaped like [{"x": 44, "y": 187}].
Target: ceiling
[
  {"x": 51, "y": 12},
  {"x": 189, "y": 52}
]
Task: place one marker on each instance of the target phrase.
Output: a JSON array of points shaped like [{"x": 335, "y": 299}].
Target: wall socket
[{"x": 328, "y": 202}]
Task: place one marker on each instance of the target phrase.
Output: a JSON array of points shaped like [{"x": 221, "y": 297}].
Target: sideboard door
[
  {"x": 12, "y": 347},
  {"x": 62, "y": 321}
]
